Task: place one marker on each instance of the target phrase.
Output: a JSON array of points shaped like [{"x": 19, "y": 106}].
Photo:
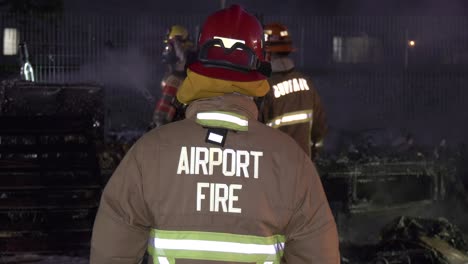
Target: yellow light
[{"x": 411, "y": 43}]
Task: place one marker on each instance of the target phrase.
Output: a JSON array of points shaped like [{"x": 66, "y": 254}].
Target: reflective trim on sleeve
[
  {"x": 167, "y": 246},
  {"x": 319, "y": 144},
  {"x": 291, "y": 118},
  {"x": 224, "y": 120},
  {"x": 163, "y": 260}
]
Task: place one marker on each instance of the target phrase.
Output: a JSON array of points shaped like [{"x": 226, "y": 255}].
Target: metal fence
[
  {"x": 120, "y": 53},
  {"x": 367, "y": 70}
]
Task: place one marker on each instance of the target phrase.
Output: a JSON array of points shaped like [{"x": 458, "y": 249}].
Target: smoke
[
  {"x": 125, "y": 69},
  {"x": 131, "y": 81},
  {"x": 121, "y": 70}
]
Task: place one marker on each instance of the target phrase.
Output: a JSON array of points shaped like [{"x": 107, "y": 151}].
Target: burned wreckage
[
  {"x": 393, "y": 204},
  {"x": 49, "y": 167}
]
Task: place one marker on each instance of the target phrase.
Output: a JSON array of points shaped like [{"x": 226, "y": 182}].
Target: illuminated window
[
  {"x": 337, "y": 49},
  {"x": 10, "y": 41},
  {"x": 357, "y": 49}
]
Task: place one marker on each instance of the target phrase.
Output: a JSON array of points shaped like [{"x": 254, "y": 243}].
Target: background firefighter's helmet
[
  {"x": 177, "y": 31},
  {"x": 277, "y": 38},
  {"x": 231, "y": 47},
  {"x": 177, "y": 45}
]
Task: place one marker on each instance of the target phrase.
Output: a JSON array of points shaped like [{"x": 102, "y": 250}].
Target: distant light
[
  {"x": 411, "y": 43},
  {"x": 10, "y": 41}
]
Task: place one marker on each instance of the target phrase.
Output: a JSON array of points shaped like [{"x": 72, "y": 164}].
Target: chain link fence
[{"x": 406, "y": 73}]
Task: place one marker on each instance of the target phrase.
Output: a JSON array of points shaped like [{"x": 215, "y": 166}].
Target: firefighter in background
[
  {"x": 218, "y": 186},
  {"x": 293, "y": 104},
  {"x": 177, "y": 49}
]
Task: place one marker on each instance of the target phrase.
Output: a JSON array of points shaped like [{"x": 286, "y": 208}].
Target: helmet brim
[{"x": 279, "y": 48}]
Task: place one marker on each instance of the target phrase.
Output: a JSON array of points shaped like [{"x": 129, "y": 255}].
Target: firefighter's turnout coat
[
  {"x": 217, "y": 187},
  {"x": 294, "y": 106}
]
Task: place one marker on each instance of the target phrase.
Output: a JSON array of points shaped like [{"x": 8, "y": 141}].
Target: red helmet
[
  {"x": 231, "y": 47},
  {"x": 277, "y": 38}
]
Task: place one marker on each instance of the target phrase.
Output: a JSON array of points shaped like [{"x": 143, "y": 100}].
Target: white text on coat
[
  {"x": 218, "y": 197},
  {"x": 290, "y": 86},
  {"x": 203, "y": 161},
  {"x": 221, "y": 197}
]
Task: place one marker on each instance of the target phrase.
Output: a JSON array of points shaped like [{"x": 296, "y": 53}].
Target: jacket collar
[{"x": 239, "y": 106}]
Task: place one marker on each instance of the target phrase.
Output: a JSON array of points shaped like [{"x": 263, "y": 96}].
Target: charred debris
[{"x": 398, "y": 202}]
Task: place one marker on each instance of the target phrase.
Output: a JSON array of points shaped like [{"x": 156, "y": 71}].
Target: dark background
[
  {"x": 379, "y": 91},
  {"x": 278, "y": 7},
  {"x": 118, "y": 44}
]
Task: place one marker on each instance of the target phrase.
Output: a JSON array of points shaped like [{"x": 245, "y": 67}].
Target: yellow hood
[{"x": 196, "y": 86}]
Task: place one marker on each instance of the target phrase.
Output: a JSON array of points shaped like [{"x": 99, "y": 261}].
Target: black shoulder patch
[{"x": 216, "y": 136}]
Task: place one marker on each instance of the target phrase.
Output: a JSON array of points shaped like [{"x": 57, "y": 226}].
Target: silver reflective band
[
  {"x": 215, "y": 137},
  {"x": 291, "y": 118},
  {"x": 319, "y": 144},
  {"x": 223, "y": 117},
  {"x": 163, "y": 260},
  {"x": 229, "y": 42},
  {"x": 216, "y": 246}
]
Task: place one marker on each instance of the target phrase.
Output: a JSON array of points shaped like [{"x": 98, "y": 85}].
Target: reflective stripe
[
  {"x": 319, "y": 144},
  {"x": 163, "y": 260},
  {"x": 224, "y": 120},
  {"x": 291, "y": 119},
  {"x": 229, "y": 42},
  {"x": 215, "y": 246},
  {"x": 223, "y": 117},
  {"x": 167, "y": 246}
]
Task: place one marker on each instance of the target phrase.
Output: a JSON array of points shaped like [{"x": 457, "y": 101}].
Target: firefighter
[
  {"x": 218, "y": 186},
  {"x": 293, "y": 104},
  {"x": 177, "y": 49}
]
